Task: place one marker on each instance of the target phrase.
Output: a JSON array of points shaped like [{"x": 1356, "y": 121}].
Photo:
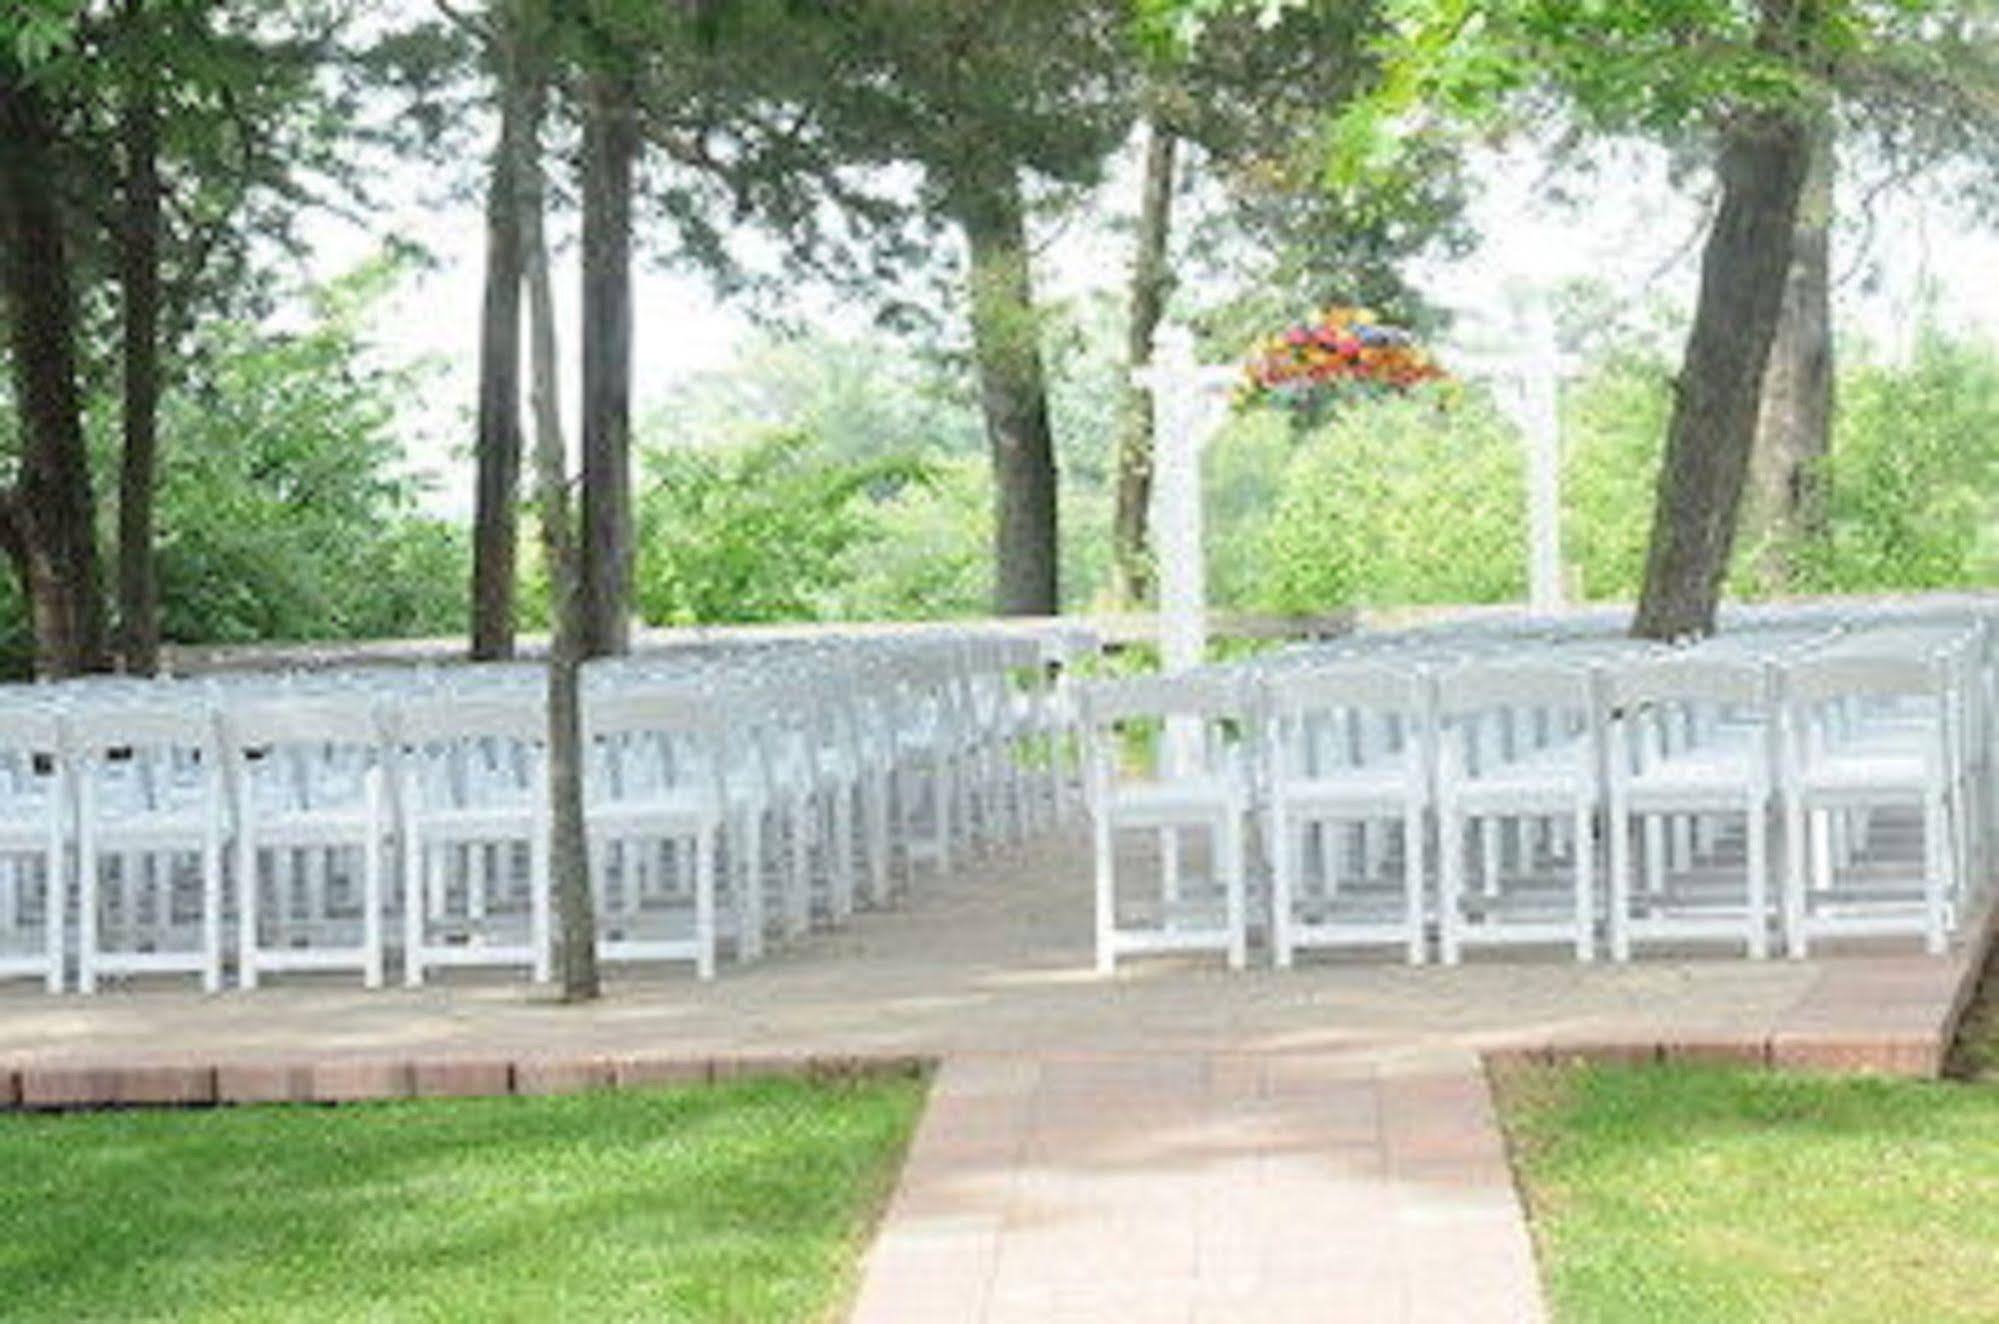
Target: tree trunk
[
  {"x": 494, "y": 516},
  {"x": 1713, "y": 424},
  {"x": 610, "y": 144},
  {"x": 569, "y": 844},
  {"x": 55, "y": 527},
  {"x": 1794, "y": 429},
  {"x": 1013, "y": 393},
  {"x": 139, "y": 278},
  {"x": 1151, "y": 280}
]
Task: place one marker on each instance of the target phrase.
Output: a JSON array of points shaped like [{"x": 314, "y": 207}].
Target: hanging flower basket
[{"x": 1345, "y": 357}]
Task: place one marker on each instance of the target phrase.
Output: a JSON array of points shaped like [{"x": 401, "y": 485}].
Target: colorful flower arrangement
[{"x": 1343, "y": 357}]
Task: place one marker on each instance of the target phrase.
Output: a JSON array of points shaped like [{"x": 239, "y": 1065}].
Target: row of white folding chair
[{"x": 1722, "y": 765}]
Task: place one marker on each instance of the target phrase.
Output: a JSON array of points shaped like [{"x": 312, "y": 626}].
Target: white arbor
[{"x": 1190, "y": 402}]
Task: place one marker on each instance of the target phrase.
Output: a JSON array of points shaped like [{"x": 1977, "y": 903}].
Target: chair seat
[
  {"x": 1183, "y": 799},
  {"x": 186, "y": 828},
  {"x": 1726, "y": 773},
  {"x": 307, "y": 827},
  {"x": 1383, "y": 785},
  {"x": 682, "y": 810},
  {"x": 1857, "y": 771},
  {"x": 1552, "y": 778}
]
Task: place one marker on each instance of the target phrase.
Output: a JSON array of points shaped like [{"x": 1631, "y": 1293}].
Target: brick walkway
[
  {"x": 1203, "y": 1187},
  {"x": 1178, "y": 1143}
]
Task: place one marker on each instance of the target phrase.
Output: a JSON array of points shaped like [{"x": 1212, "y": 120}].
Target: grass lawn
[
  {"x": 742, "y": 1202},
  {"x": 1712, "y": 1194}
]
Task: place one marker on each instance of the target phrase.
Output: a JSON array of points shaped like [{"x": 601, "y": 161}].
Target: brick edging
[{"x": 70, "y": 1087}]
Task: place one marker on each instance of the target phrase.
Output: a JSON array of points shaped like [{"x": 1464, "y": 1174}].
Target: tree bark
[
  {"x": 139, "y": 279},
  {"x": 610, "y": 145},
  {"x": 52, "y": 508},
  {"x": 1151, "y": 281},
  {"x": 1013, "y": 393},
  {"x": 1713, "y": 424},
  {"x": 1794, "y": 428},
  {"x": 569, "y": 843},
  {"x": 495, "y": 520}
]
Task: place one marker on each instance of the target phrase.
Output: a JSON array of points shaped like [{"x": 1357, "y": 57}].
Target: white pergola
[{"x": 1190, "y": 402}]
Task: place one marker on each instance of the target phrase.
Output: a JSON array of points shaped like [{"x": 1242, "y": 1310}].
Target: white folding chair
[
  {"x": 1347, "y": 744},
  {"x": 149, "y": 799},
  {"x": 1198, "y": 782},
  {"x": 1519, "y": 746},
  {"x": 1689, "y": 734},
  {"x": 472, "y": 801},
  {"x": 35, "y": 819},
  {"x": 1869, "y": 734},
  {"x": 307, "y": 774},
  {"x": 659, "y": 784}
]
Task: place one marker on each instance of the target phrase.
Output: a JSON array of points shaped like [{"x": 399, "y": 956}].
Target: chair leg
[
  {"x": 371, "y": 892},
  {"x": 750, "y": 942},
  {"x": 1936, "y": 870},
  {"x": 1106, "y": 882},
  {"x": 1283, "y": 882},
  {"x": 1169, "y": 866},
  {"x": 211, "y": 910},
  {"x": 1450, "y": 884},
  {"x": 541, "y": 937},
  {"x": 704, "y": 902},
  {"x": 415, "y": 893},
  {"x": 1235, "y": 901},
  {"x": 248, "y": 898},
  {"x": 1619, "y": 825},
  {"x": 86, "y": 903},
  {"x": 54, "y": 893},
  {"x": 1654, "y": 831},
  {"x": 1413, "y": 875},
  {"x": 1489, "y": 839},
  {"x": 1797, "y": 847},
  {"x": 1585, "y": 899}
]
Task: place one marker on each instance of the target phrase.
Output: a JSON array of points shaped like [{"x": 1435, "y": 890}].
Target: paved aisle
[{"x": 1204, "y": 1187}]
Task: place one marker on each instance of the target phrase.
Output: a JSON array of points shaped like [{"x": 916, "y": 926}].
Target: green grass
[
  {"x": 1714, "y": 1195},
  {"x": 743, "y": 1202}
]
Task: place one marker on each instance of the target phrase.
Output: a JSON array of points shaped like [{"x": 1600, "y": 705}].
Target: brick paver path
[{"x": 1203, "y": 1187}]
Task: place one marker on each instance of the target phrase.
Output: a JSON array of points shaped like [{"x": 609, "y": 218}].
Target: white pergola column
[
  {"x": 1190, "y": 402},
  {"x": 1541, "y": 422}
]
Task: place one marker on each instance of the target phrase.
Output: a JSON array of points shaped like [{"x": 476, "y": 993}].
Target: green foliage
[
  {"x": 1613, "y": 429},
  {"x": 930, "y": 552},
  {"x": 283, "y": 509},
  {"x": 1400, "y": 501},
  {"x": 756, "y": 532},
  {"x": 1913, "y": 482}
]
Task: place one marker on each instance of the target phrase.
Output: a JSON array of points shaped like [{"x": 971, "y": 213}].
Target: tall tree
[
  {"x": 1013, "y": 390},
  {"x": 1794, "y": 428},
  {"x": 569, "y": 844},
  {"x": 139, "y": 278},
  {"x": 1764, "y": 157},
  {"x": 48, "y": 516},
  {"x": 497, "y": 453},
  {"x": 610, "y": 149},
  {"x": 988, "y": 98},
  {"x": 175, "y": 139},
  {"x": 1151, "y": 281}
]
